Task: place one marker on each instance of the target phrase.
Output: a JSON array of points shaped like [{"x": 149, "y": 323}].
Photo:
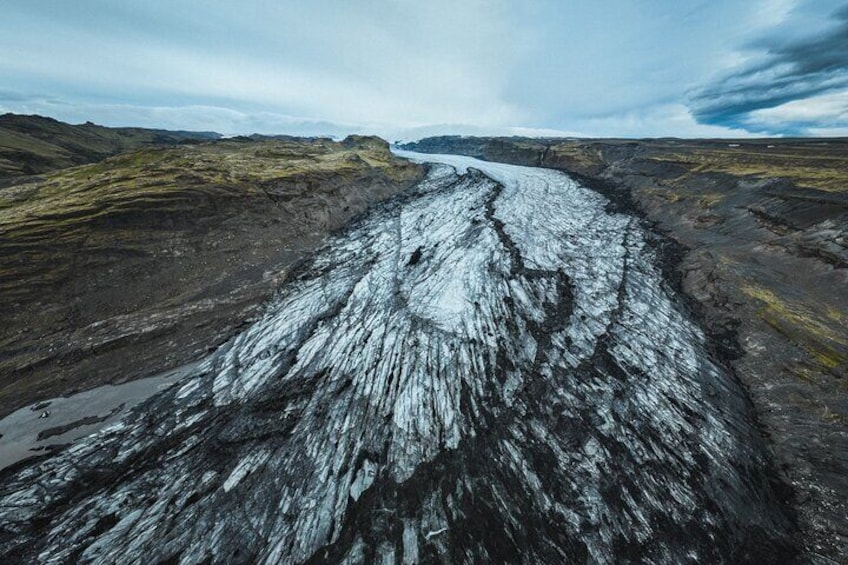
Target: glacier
[{"x": 489, "y": 367}]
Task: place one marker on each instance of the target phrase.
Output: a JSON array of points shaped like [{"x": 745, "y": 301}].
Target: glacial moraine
[{"x": 488, "y": 368}]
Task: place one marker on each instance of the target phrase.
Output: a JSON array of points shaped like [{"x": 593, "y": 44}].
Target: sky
[{"x": 406, "y": 69}]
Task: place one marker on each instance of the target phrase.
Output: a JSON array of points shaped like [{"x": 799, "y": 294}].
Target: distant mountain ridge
[{"x": 33, "y": 145}]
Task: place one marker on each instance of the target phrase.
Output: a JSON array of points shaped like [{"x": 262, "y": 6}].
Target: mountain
[{"x": 32, "y": 145}]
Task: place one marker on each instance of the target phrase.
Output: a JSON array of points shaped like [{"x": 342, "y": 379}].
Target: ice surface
[{"x": 487, "y": 368}]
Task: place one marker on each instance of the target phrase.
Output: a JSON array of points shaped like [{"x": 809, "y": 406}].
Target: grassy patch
[
  {"x": 710, "y": 200},
  {"x": 147, "y": 174},
  {"x": 821, "y": 335},
  {"x": 804, "y": 166},
  {"x": 162, "y": 188},
  {"x": 668, "y": 194}
]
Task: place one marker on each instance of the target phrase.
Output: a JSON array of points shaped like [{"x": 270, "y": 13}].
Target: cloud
[
  {"x": 191, "y": 117},
  {"x": 666, "y": 120},
  {"x": 373, "y": 63},
  {"x": 818, "y": 115},
  {"x": 784, "y": 78},
  {"x": 660, "y": 120},
  {"x": 400, "y": 68},
  {"x": 231, "y": 122}
]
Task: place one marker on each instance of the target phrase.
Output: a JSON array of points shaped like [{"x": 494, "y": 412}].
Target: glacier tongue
[{"x": 487, "y": 368}]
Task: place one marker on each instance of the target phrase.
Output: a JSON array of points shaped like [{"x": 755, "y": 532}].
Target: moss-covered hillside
[
  {"x": 31, "y": 145},
  {"x": 141, "y": 262}
]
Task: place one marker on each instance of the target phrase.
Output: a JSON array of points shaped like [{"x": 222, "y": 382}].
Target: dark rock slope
[
  {"x": 487, "y": 369},
  {"x": 31, "y": 145},
  {"x": 144, "y": 261},
  {"x": 762, "y": 228}
]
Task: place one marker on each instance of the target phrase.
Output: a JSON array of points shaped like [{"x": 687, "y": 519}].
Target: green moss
[
  {"x": 46, "y": 225},
  {"x": 149, "y": 173},
  {"x": 69, "y": 199},
  {"x": 804, "y": 166},
  {"x": 710, "y": 200},
  {"x": 820, "y": 335}
]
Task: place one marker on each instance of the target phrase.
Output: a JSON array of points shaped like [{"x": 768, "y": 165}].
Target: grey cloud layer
[
  {"x": 402, "y": 68},
  {"x": 790, "y": 71}
]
